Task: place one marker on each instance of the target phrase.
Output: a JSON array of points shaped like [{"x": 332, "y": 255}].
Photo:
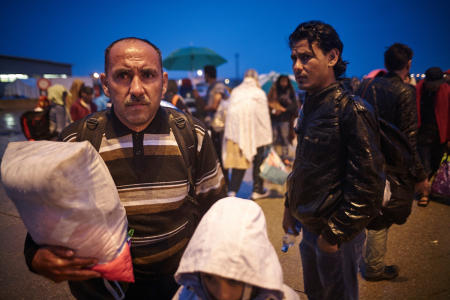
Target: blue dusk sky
[{"x": 77, "y": 32}]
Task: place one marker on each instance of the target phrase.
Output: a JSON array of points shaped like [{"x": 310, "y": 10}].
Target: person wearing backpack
[
  {"x": 165, "y": 169},
  {"x": 395, "y": 102}
]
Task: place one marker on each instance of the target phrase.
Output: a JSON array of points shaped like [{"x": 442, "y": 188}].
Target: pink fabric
[{"x": 120, "y": 269}]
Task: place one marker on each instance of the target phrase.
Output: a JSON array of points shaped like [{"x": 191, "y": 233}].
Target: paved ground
[{"x": 421, "y": 247}]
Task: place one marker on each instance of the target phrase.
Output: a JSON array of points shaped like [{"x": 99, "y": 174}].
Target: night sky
[{"x": 77, "y": 32}]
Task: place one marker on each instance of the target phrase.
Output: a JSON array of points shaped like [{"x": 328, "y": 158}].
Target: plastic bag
[
  {"x": 273, "y": 168},
  {"x": 441, "y": 183},
  {"x": 66, "y": 197}
]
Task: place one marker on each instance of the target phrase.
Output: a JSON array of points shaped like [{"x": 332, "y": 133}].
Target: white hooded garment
[
  {"x": 248, "y": 119},
  {"x": 231, "y": 241}
]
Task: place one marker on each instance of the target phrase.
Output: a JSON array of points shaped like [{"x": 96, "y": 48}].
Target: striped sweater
[{"x": 148, "y": 170}]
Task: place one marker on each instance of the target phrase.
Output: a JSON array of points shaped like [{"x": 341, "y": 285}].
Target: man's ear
[
  {"x": 409, "y": 65},
  {"x": 104, "y": 84},
  {"x": 333, "y": 57},
  {"x": 165, "y": 81}
]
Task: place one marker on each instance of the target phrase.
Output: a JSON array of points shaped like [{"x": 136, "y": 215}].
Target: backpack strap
[
  {"x": 183, "y": 129},
  {"x": 93, "y": 128},
  {"x": 368, "y": 82}
]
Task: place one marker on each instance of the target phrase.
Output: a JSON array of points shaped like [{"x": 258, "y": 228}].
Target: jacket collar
[
  {"x": 313, "y": 101},
  {"x": 393, "y": 76}
]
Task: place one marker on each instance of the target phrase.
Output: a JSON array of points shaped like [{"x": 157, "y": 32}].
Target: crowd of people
[{"x": 190, "y": 240}]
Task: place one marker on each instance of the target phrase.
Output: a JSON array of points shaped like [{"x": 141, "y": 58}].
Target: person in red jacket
[
  {"x": 84, "y": 105},
  {"x": 433, "y": 110}
]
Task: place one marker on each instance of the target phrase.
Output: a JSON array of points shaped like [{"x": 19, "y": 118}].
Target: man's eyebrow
[{"x": 121, "y": 69}]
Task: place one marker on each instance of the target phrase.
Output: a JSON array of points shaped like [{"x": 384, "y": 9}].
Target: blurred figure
[
  {"x": 59, "y": 118},
  {"x": 247, "y": 133},
  {"x": 101, "y": 100},
  {"x": 187, "y": 92},
  {"x": 42, "y": 104},
  {"x": 395, "y": 103},
  {"x": 433, "y": 121},
  {"x": 216, "y": 94},
  {"x": 230, "y": 257},
  {"x": 283, "y": 109},
  {"x": 84, "y": 105},
  {"x": 173, "y": 97},
  {"x": 73, "y": 95}
]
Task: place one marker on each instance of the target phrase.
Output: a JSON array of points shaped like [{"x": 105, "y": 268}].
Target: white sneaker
[
  {"x": 256, "y": 196},
  {"x": 231, "y": 194}
]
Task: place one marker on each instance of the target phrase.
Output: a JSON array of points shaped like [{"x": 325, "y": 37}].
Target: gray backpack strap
[
  {"x": 183, "y": 129},
  {"x": 93, "y": 128}
]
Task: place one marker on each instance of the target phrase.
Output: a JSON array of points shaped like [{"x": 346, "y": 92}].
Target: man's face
[
  {"x": 312, "y": 68},
  {"x": 134, "y": 82}
]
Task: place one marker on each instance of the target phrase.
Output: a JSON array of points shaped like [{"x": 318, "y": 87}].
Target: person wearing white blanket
[
  {"x": 247, "y": 131},
  {"x": 230, "y": 257}
]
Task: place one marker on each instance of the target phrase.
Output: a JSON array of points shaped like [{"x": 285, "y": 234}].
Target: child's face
[{"x": 222, "y": 288}]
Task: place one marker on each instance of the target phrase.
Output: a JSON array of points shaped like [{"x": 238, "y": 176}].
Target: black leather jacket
[
  {"x": 395, "y": 102},
  {"x": 337, "y": 182}
]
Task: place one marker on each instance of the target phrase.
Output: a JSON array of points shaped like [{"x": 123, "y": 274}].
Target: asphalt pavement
[{"x": 421, "y": 247}]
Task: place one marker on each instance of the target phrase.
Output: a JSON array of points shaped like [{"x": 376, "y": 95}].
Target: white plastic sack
[
  {"x": 273, "y": 168},
  {"x": 67, "y": 197}
]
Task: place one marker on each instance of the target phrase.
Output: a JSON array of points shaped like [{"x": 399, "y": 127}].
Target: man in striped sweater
[{"x": 147, "y": 166}]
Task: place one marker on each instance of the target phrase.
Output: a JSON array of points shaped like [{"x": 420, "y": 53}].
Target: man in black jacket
[
  {"x": 337, "y": 181},
  {"x": 395, "y": 102}
]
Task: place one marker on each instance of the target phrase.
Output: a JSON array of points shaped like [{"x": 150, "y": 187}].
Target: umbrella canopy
[
  {"x": 266, "y": 81},
  {"x": 192, "y": 58}
]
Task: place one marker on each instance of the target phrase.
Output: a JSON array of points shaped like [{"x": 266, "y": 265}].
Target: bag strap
[
  {"x": 183, "y": 129},
  {"x": 93, "y": 128},
  {"x": 368, "y": 82}
]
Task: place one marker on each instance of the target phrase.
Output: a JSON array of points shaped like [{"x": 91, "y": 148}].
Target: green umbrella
[
  {"x": 268, "y": 84},
  {"x": 192, "y": 58}
]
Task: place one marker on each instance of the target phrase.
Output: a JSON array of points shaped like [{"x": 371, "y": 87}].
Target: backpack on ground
[{"x": 36, "y": 125}]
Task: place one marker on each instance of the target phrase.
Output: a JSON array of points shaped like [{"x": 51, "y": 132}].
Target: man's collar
[
  {"x": 315, "y": 99},
  {"x": 156, "y": 126},
  {"x": 321, "y": 93},
  {"x": 393, "y": 75}
]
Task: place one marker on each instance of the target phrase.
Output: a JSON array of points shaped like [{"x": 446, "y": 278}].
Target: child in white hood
[{"x": 230, "y": 257}]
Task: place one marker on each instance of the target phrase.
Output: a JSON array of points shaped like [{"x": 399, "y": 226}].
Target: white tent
[{"x": 27, "y": 88}]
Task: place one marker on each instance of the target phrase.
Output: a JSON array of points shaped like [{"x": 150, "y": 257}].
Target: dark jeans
[
  {"x": 162, "y": 288},
  {"x": 431, "y": 155},
  {"x": 331, "y": 275},
  {"x": 238, "y": 174}
]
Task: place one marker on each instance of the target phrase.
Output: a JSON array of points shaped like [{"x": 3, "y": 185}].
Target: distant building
[{"x": 12, "y": 68}]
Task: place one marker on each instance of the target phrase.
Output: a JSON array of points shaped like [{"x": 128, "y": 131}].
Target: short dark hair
[
  {"x": 397, "y": 56},
  {"x": 85, "y": 89},
  {"x": 108, "y": 49},
  {"x": 210, "y": 71},
  {"x": 326, "y": 37}
]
